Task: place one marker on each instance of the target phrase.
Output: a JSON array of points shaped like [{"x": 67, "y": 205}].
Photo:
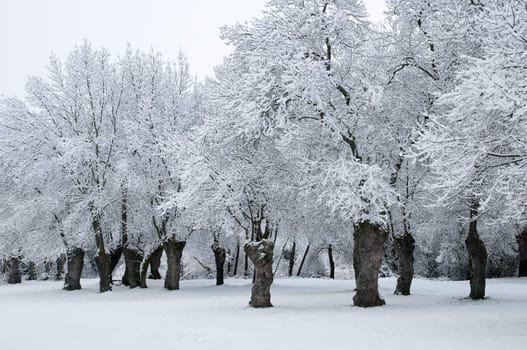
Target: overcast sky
[{"x": 31, "y": 30}]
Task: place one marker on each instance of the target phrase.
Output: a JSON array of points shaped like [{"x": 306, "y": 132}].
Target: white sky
[{"x": 31, "y": 30}]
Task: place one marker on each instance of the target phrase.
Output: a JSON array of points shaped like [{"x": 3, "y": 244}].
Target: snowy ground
[{"x": 308, "y": 314}]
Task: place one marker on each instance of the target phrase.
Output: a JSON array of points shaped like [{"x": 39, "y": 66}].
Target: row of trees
[{"x": 316, "y": 129}]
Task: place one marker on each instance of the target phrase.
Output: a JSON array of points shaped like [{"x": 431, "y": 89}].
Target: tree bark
[
  {"x": 14, "y": 275},
  {"x": 147, "y": 261},
  {"x": 155, "y": 262},
  {"x": 219, "y": 257},
  {"x": 75, "y": 258},
  {"x": 404, "y": 248},
  {"x": 103, "y": 269},
  {"x": 369, "y": 243},
  {"x": 102, "y": 260},
  {"x": 292, "y": 259},
  {"x": 261, "y": 255},
  {"x": 303, "y": 260},
  {"x": 331, "y": 262},
  {"x": 477, "y": 257},
  {"x": 132, "y": 273},
  {"x": 61, "y": 260},
  {"x": 32, "y": 274},
  {"x": 228, "y": 259},
  {"x": 236, "y": 258},
  {"x": 246, "y": 265},
  {"x": 356, "y": 260},
  {"x": 522, "y": 250},
  {"x": 174, "y": 251},
  {"x": 115, "y": 256},
  {"x": 48, "y": 266}
]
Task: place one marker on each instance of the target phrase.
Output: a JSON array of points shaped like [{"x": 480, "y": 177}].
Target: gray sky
[{"x": 30, "y": 30}]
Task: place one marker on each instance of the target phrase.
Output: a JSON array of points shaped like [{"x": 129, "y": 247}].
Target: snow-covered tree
[
  {"x": 475, "y": 144},
  {"x": 294, "y": 100}
]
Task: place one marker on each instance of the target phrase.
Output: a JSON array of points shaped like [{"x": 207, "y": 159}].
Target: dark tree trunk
[
  {"x": 246, "y": 265},
  {"x": 115, "y": 256},
  {"x": 219, "y": 258},
  {"x": 369, "y": 243},
  {"x": 147, "y": 261},
  {"x": 236, "y": 258},
  {"x": 155, "y": 262},
  {"x": 174, "y": 251},
  {"x": 103, "y": 269},
  {"x": 303, "y": 260},
  {"x": 331, "y": 262},
  {"x": 356, "y": 261},
  {"x": 477, "y": 258},
  {"x": 245, "y": 256},
  {"x": 32, "y": 274},
  {"x": 132, "y": 273},
  {"x": 102, "y": 260},
  {"x": 522, "y": 250},
  {"x": 292, "y": 259},
  {"x": 229, "y": 262},
  {"x": 61, "y": 260},
  {"x": 75, "y": 258},
  {"x": 48, "y": 266},
  {"x": 14, "y": 275},
  {"x": 404, "y": 248},
  {"x": 261, "y": 255}
]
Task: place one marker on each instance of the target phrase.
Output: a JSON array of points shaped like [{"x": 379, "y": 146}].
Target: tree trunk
[
  {"x": 48, "y": 266},
  {"x": 292, "y": 259},
  {"x": 14, "y": 276},
  {"x": 103, "y": 269},
  {"x": 32, "y": 274},
  {"x": 478, "y": 260},
  {"x": 246, "y": 265},
  {"x": 261, "y": 255},
  {"x": 155, "y": 262},
  {"x": 174, "y": 251},
  {"x": 132, "y": 274},
  {"x": 115, "y": 256},
  {"x": 229, "y": 262},
  {"x": 236, "y": 258},
  {"x": 61, "y": 260},
  {"x": 75, "y": 258},
  {"x": 102, "y": 259},
  {"x": 404, "y": 248},
  {"x": 147, "y": 261},
  {"x": 356, "y": 260},
  {"x": 331, "y": 262},
  {"x": 219, "y": 258},
  {"x": 303, "y": 260},
  {"x": 369, "y": 243},
  {"x": 522, "y": 250}
]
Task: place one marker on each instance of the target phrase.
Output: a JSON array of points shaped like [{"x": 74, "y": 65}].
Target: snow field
[{"x": 307, "y": 314}]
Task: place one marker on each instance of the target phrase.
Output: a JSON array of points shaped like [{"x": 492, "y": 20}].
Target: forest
[{"x": 324, "y": 146}]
